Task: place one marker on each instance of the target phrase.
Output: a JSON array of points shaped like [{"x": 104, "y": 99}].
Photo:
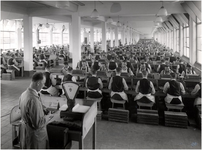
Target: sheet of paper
[
  {"x": 63, "y": 107},
  {"x": 80, "y": 108}
]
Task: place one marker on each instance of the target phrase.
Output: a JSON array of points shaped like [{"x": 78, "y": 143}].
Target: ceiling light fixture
[
  {"x": 94, "y": 14},
  {"x": 116, "y": 7},
  {"x": 162, "y": 12},
  {"x": 109, "y": 20},
  {"x": 118, "y": 23},
  {"x": 159, "y": 20}
]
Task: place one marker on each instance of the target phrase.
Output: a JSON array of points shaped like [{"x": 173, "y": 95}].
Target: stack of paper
[{"x": 80, "y": 108}]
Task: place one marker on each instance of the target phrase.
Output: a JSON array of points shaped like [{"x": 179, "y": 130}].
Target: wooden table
[{"x": 88, "y": 120}]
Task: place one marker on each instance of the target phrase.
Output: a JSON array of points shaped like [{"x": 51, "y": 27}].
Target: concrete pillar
[
  {"x": 37, "y": 38},
  {"x": 192, "y": 42},
  {"x": 76, "y": 39},
  {"x": 92, "y": 38},
  {"x": 19, "y": 38},
  {"x": 50, "y": 34},
  {"x": 28, "y": 49},
  {"x": 181, "y": 39},
  {"x": 70, "y": 37},
  {"x": 111, "y": 37},
  {"x": 116, "y": 37},
  {"x": 61, "y": 37},
  {"x": 104, "y": 46},
  {"x": 122, "y": 37}
]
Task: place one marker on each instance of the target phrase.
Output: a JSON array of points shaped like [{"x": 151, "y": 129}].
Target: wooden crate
[
  {"x": 146, "y": 116},
  {"x": 176, "y": 119},
  {"x": 6, "y": 76},
  {"x": 119, "y": 115}
]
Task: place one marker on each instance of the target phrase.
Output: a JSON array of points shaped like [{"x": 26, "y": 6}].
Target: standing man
[{"x": 32, "y": 115}]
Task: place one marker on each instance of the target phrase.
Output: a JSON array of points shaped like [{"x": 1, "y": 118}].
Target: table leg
[
  {"x": 81, "y": 143},
  {"x": 94, "y": 134}
]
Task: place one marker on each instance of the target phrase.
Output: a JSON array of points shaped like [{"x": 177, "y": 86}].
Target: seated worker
[
  {"x": 3, "y": 64},
  {"x": 42, "y": 58},
  {"x": 69, "y": 76},
  {"x": 94, "y": 84},
  {"x": 12, "y": 63},
  {"x": 181, "y": 69},
  {"x": 166, "y": 71},
  {"x": 145, "y": 88},
  {"x": 125, "y": 68},
  {"x": 65, "y": 68},
  {"x": 117, "y": 85},
  {"x": 143, "y": 67},
  {"x": 161, "y": 66},
  {"x": 197, "y": 92},
  {"x": 174, "y": 89},
  {"x": 189, "y": 70},
  {"x": 112, "y": 64},
  {"x": 96, "y": 65}
]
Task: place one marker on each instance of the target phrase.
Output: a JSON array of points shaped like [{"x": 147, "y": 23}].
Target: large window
[
  {"x": 7, "y": 34},
  {"x": 199, "y": 44},
  {"x": 43, "y": 36},
  {"x": 177, "y": 40},
  {"x": 186, "y": 41},
  {"x": 56, "y": 38}
]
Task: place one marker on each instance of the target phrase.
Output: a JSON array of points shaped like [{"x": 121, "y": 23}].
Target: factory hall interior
[{"x": 101, "y": 74}]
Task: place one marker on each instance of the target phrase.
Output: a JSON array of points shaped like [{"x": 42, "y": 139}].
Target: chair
[
  {"x": 98, "y": 101},
  {"x": 175, "y": 106},
  {"x": 116, "y": 99},
  {"x": 15, "y": 117}
]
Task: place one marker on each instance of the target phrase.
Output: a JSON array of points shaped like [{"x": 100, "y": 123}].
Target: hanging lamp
[
  {"x": 118, "y": 23},
  {"x": 94, "y": 14},
  {"x": 162, "y": 12}
]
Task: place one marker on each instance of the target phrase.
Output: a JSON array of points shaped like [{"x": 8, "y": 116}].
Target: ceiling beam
[
  {"x": 196, "y": 11},
  {"x": 189, "y": 11},
  {"x": 174, "y": 22},
  {"x": 165, "y": 27},
  {"x": 180, "y": 19},
  {"x": 184, "y": 18},
  {"x": 169, "y": 25}
]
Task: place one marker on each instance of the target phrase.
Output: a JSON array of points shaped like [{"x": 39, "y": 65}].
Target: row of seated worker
[
  {"x": 134, "y": 67},
  {"x": 48, "y": 54},
  {"x": 12, "y": 60},
  {"x": 173, "y": 90}
]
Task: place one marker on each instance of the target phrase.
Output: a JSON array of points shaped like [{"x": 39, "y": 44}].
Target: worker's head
[
  {"x": 65, "y": 63},
  {"x": 118, "y": 70},
  {"x": 173, "y": 75},
  {"x": 38, "y": 81},
  {"x": 70, "y": 69}
]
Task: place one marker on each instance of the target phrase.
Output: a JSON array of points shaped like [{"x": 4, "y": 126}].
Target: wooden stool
[
  {"x": 98, "y": 101},
  {"x": 175, "y": 106},
  {"x": 141, "y": 104},
  {"x": 118, "y": 102},
  {"x": 12, "y": 72}
]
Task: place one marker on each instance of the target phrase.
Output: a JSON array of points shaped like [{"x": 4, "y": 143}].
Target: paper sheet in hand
[
  {"x": 64, "y": 107},
  {"x": 80, "y": 108}
]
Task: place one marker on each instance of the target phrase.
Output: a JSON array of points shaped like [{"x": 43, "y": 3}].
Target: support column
[
  {"x": 181, "y": 39},
  {"x": 28, "y": 49},
  {"x": 70, "y": 37},
  {"x": 192, "y": 41},
  {"x": 51, "y": 36},
  {"x": 111, "y": 37},
  {"x": 19, "y": 38},
  {"x": 76, "y": 39},
  {"x": 92, "y": 39},
  {"x": 61, "y": 37},
  {"x": 116, "y": 37},
  {"x": 122, "y": 36},
  {"x": 37, "y": 38},
  {"x": 104, "y": 46}
]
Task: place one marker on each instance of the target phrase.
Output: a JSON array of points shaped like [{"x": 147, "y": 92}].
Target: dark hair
[
  {"x": 70, "y": 69},
  {"x": 37, "y": 76},
  {"x": 118, "y": 70},
  {"x": 172, "y": 75}
]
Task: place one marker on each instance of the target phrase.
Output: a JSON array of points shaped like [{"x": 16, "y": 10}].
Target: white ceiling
[{"x": 139, "y": 15}]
